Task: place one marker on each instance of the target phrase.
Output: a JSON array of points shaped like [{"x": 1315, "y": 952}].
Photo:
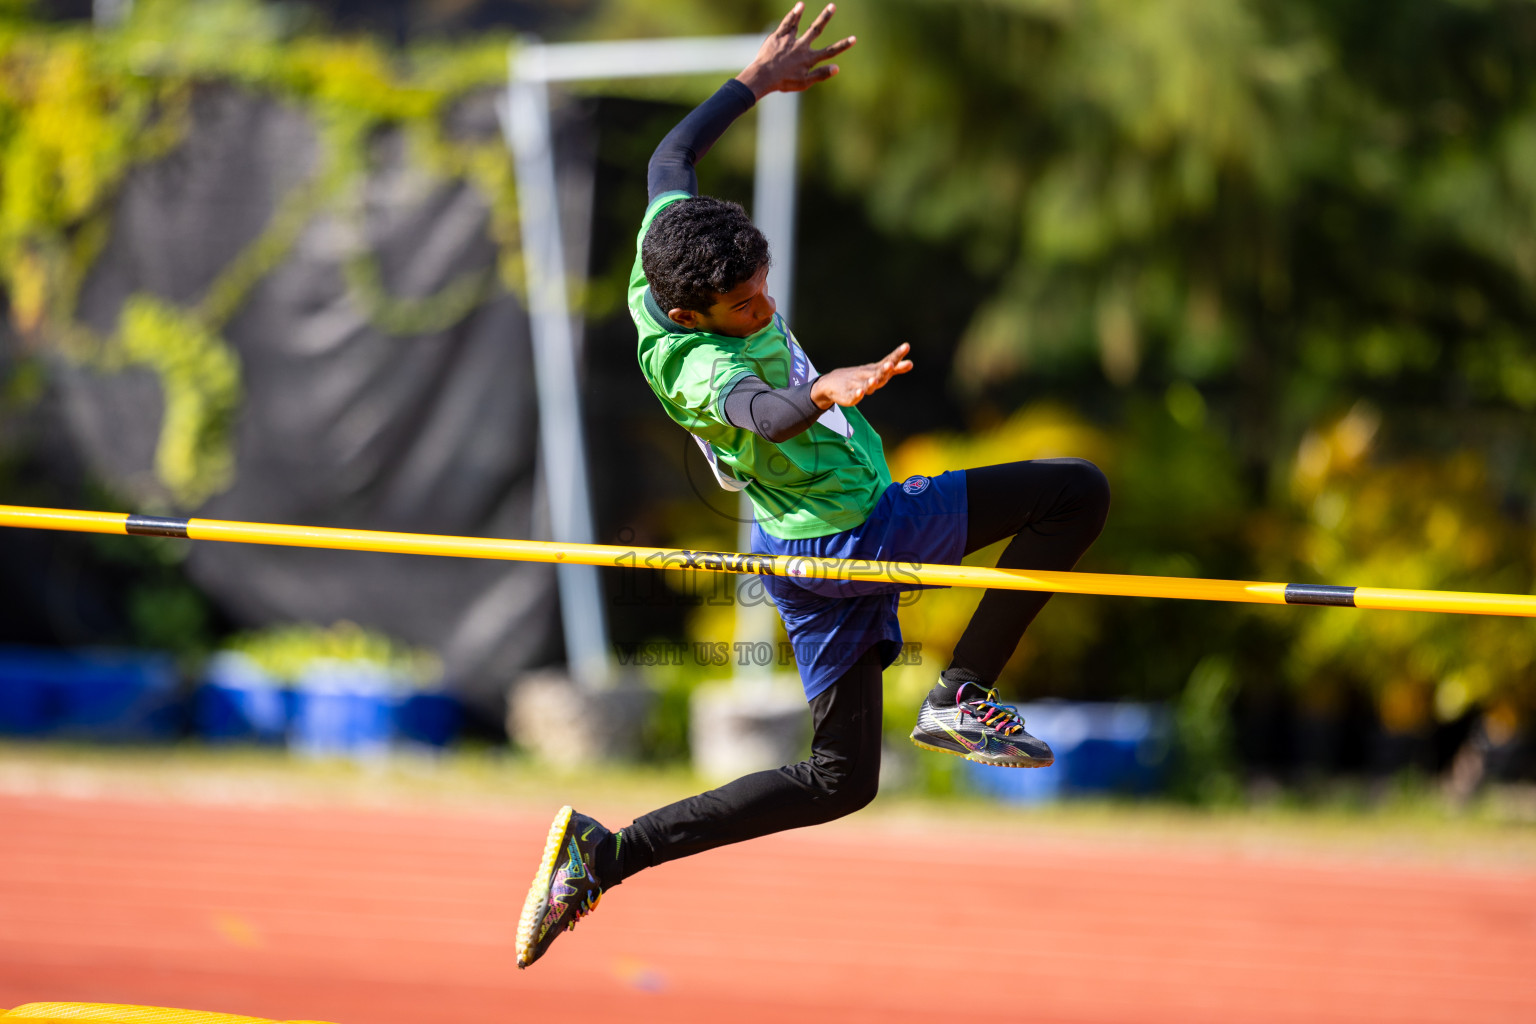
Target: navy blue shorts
[{"x": 831, "y": 622}]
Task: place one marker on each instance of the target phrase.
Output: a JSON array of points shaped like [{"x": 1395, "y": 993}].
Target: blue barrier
[
  {"x": 1105, "y": 749},
  {"x": 430, "y": 717},
  {"x": 239, "y": 702},
  {"x": 337, "y": 708},
  {"x": 343, "y": 709},
  {"x": 90, "y": 694}
]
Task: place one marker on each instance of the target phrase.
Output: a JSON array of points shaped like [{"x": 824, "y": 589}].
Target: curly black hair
[{"x": 698, "y": 249}]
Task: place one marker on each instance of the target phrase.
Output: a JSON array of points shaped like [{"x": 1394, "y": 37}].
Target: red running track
[{"x": 364, "y": 916}]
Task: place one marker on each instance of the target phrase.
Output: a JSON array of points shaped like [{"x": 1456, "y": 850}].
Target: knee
[
  {"x": 1090, "y": 487},
  {"x": 853, "y": 795},
  {"x": 844, "y": 786}
]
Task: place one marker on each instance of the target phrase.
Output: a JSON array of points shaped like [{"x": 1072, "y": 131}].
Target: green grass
[
  {"x": 468, "y": 776},
  {"x": 1405, "y": 820}
]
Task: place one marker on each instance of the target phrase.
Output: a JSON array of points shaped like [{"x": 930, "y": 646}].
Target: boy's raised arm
[
  {"x": 671, "y": 167},
  {"x": 784, "y": 63}
]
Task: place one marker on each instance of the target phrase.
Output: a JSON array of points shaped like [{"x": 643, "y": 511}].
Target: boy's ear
[{"x": 685, "y": 318}]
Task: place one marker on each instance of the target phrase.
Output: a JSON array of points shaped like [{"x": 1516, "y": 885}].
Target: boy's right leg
[
  {"x": 582, "y": 859},
  {"x": 1053, "y": 509}
]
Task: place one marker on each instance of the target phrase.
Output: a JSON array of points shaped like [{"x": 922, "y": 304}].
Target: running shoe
[
  {"x": 565, "y": 889},
  {"x": 978, "y": 728}
]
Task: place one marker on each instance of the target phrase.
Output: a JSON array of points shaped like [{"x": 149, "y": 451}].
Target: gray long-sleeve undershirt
[{"x": 776, "y": 414}]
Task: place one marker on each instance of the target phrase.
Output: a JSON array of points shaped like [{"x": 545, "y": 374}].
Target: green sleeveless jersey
[{"x": 824, "y": 480}]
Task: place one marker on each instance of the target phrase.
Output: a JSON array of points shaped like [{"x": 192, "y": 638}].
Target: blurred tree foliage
[
  {"x": 1271, "y": 261},
  {"x": 1416, "y": 523},
  {"x": 1292, "y": 203}
]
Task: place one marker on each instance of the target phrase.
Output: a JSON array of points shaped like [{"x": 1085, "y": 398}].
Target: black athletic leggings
[{"x": 1053, "y": 509}]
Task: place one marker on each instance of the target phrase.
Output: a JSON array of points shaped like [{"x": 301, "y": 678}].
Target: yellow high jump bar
[{"x": 910, "y": 573}]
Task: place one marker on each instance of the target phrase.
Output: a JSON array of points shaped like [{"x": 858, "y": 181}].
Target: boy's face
[{"x": 740, "y": 312}]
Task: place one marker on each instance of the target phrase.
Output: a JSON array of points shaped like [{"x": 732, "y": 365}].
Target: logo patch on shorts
[{"x": 915, "y": 484}]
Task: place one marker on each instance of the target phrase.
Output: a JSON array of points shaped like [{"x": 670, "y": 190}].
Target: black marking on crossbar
[
  {"x": 157, "y": 526},
  {"x": 1307, "y": 593}
]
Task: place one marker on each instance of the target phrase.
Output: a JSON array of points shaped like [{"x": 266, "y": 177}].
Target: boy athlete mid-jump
[{"x": 728, "y": 369}]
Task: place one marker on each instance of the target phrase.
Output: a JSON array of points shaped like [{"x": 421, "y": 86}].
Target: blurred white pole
[
  {"x": 633, "y": 58},
  {"x": 110, "y": 13},
  {"x": 561, "y": 434}
]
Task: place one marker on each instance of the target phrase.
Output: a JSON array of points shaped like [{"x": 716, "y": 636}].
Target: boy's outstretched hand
[
  {"x": 851, "y": 384},
  {"x": 788, "y": 64}
]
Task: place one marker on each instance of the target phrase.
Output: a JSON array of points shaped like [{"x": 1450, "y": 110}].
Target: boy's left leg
[{"x": 582, "y": 859}]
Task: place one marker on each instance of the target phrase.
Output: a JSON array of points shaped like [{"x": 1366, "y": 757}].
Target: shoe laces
[
  {"x": 1004, "y": 719},
  {"x": 585, "y": 907}
]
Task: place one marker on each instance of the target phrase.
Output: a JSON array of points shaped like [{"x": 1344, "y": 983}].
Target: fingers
[
  {"x": 836, "y": 48},
  {"x": 893, "y": 363},
  {"x": 791, "y": 20},
  {"x": 884, "y": 371},
  {"x": 820, "y": 74},
  {"x": 855, "y": 383},
  {"x": 809, "y": 79},
  {"x": 819, "y": 24}
]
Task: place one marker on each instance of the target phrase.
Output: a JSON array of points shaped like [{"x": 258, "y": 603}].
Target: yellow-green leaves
[
  {"x": 79, "y": 109},
  {"x": 200, "y": 381}
]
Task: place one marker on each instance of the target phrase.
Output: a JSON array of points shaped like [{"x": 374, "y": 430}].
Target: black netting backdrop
[{"x": 341, "y": 422}]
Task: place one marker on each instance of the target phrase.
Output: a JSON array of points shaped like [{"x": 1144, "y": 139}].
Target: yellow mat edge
[{"x": 126, "y": 1013}]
